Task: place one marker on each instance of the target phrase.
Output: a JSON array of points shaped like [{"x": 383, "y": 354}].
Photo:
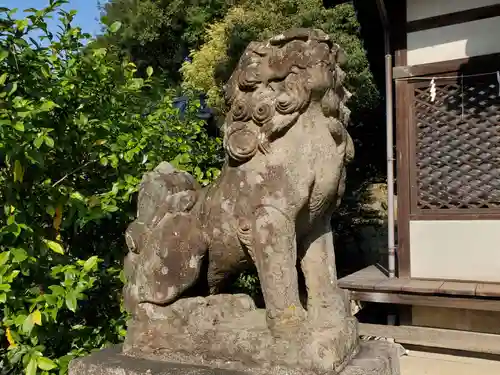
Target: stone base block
[
  {"x": 373, "y": 358},
  {"x": 227, "y": 331}
]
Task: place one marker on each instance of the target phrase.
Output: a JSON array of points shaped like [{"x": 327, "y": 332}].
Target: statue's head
[{"x": 278, "y": 80}]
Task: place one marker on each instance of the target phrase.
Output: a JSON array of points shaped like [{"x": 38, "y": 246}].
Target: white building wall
[
  {"x": 455, "y": 250},
  {"x": 418, "y": 9},
  {"x": 450, "y": 42}
]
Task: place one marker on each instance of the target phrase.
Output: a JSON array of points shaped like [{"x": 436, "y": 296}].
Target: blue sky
[{"x": 87, "y": 17}]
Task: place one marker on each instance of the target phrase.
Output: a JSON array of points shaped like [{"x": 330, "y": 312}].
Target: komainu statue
[{"x": 287, "y": 148}]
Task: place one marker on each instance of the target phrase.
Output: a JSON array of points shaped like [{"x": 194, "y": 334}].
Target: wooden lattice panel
[{"x": 457, "y": 139}]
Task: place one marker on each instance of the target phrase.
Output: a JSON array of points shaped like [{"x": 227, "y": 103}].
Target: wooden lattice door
[{"x": 455, "y": 146}]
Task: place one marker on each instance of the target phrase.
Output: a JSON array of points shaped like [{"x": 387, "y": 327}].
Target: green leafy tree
[
  {"x": 160, "y": 33},
  {"x": 76, "y": 134},
  {"x": 226, "y": 40}
]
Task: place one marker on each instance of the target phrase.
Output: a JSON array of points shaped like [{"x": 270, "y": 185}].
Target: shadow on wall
[{"x": 466, "y": 39}]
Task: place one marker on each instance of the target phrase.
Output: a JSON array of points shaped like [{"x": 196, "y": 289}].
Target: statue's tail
[{"x": 164, "y": 190}]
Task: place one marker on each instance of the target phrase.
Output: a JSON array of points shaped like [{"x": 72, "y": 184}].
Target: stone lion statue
[{"x": 286, "y": 149}]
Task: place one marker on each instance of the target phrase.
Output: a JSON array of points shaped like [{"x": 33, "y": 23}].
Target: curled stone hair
[{"x": 272, "y": 86}]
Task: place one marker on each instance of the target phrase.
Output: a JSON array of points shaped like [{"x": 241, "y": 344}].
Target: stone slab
[
  {"x": 111, "y": 361},
  {"x": 374, "y": 358}
]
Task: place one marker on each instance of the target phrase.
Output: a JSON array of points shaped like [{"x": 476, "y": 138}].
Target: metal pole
[
  {"x": 389, "y": 141},
  {"x": 390, "y": 167}
]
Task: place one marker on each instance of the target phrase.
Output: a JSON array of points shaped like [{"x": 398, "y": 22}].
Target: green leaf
[
  {"x": 57, "y": 290},
  {"x": 49, "y": 141},
  {"x": 32, "y": 366},
  {"x": 4, "y": 257},
  {"x": 18, "y": 171},
  {"x": 4, "y": 287},
  {"x": 136, "y": 83},
  {"x": 3, "y": 78},
  {"x": 20, "y": 255},
  {"x": 18, "y": 125},
  {"x": 3, "y": 54},
  {"x": 12, "y": 276},
  {"x": 45, "y": 364},
  {"x": 11, "y": 219},
  {"x": 64, "y": 362},
  {"x": 115, "y": 26},
  {"x": 76, "y": 195},
  {"x": 71, "y": 300},
  {"x": 36, "y": 317},
  {"x": 149, "y": 71},
  {"x": 47, "y": 105},
  {"x": 19, "y": 319},
  {"x": 90, "y": 263},
  {"x": 50, "y": 299},
  {"x": 54, "y": 246},
  {"x": 3, "y": 297},
  {"x": 13, "y": 88},
  {"x": 28, "y": 324},
  {"x": 22, "y": 24},
  {"x": 38, "y": 142},
  {"x": 12, "y": 228}
]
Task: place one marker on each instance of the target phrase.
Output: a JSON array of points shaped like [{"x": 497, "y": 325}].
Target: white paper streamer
[
  {"x": 498, "y": 79},
  {"x": 433, "y": 90}
]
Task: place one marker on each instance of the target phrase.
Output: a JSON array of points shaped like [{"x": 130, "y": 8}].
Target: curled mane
[{"x": 273, "y": 84}]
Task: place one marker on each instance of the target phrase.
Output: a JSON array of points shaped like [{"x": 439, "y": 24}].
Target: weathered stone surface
[
  {"x": 227, "y": 330},
  {"x": 286, "y": 148},
  {"x": 112, "y": 362},
  {"x": 374, "y": 358}
]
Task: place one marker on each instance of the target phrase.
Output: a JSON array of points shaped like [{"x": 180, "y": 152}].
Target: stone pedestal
[
  {"x": 374, "y": 358},
  {"x": 228, "y": 331},
  {"x": 227, "y": 334}
]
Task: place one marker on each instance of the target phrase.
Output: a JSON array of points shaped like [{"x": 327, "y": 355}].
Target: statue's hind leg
[
  {"x": 273, "y": 248},
  {"x": 325, "y": 301}
]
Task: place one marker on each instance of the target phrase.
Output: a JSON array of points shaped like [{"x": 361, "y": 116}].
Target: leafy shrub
[
  {"x": 211, "y": 65},
  {"x": 78, "y": 129}
]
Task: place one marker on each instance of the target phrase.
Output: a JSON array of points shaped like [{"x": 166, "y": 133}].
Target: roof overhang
[{"x": 372, "y": 30}]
